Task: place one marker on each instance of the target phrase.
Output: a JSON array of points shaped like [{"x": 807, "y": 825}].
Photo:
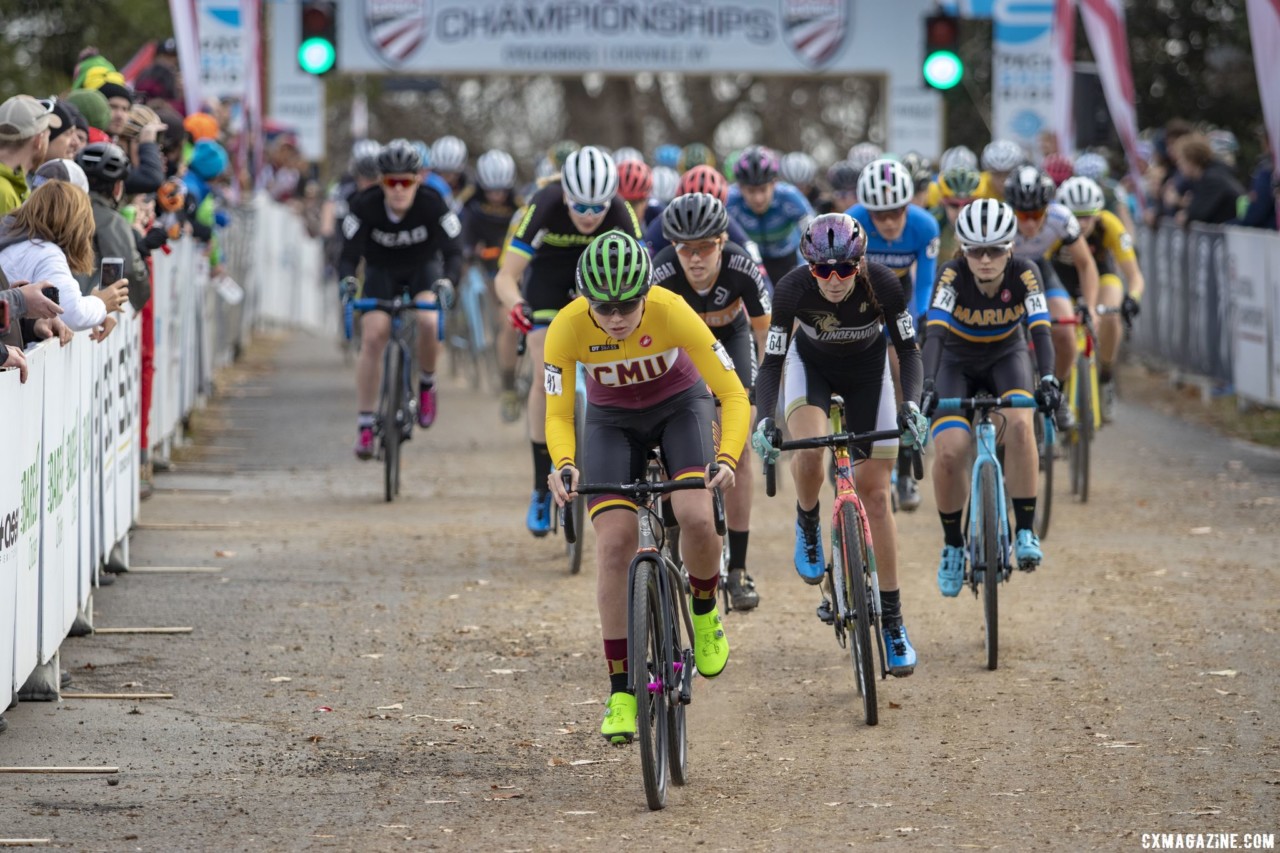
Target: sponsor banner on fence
[
  {"x": 28, "y": 450},
  {"x": 1250, "y": 254},
  {"x": 11, "y": 519},
  {"x": 55, "y": 535}
]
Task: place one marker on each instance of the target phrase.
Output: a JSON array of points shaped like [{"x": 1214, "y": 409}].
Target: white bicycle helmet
[
  {"x": 666, "y": 182},
  {"x": 1003, "y": 155},
  {"x": 864, "y": 153},
  {"x": 986, "y": 222},
  {"x": 1091, "y": 165},
  {"x": 496, "y": 170},
  {"x": 448, "y": 154},
  {"x": 959, "y": 157},
  {"x": 885, "y": 185},
  {"x": 626, "y": 153},
  {"x": 589, "y": 176},
  {"x": 799, "y": 168},
  {"x": 1082, "y": 196}
]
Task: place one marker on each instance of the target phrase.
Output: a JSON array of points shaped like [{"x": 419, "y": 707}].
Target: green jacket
[{"x": 13, "y": 188}]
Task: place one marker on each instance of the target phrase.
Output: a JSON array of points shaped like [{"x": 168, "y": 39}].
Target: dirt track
[{"x": 462, "y": 664}]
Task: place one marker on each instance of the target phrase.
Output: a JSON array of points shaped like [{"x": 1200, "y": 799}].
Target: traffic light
[
  {"x": 943, "y": 67},
  {"x": 318, "y": 41}
]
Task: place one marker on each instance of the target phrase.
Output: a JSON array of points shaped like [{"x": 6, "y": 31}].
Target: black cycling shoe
[{"x": 742, "y": 590}]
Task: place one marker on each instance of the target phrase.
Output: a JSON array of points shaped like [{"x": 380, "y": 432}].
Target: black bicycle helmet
[
  {"x": 694, "y": 216},
  {"x": 103, "y": 161},
  {"x": 843, "y": 176},
  {"x": 1027, "y": 188},
  {"x": 399, "y": 157},
  {"x": 756, "y": 166}
]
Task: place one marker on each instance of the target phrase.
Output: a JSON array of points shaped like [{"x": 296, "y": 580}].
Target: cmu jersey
[
  {"x": 776, "y": 231},
  {"x": 845, "y": 337},
  {"x": 737, "y": 293},
  {"x": 1059, "y": 228},
  {"x": 428, "y": 227},
  {"x": 918, "y": 244},
  {"x": 670, "y": 352},
  {"x": 547, "y": 235}
]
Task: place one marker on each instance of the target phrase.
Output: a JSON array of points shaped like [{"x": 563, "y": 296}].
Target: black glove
[
  {"x": 1129, "y": 309},
  {"x": 1049, "y": 395},
  {"x": 929, "y": 399}
]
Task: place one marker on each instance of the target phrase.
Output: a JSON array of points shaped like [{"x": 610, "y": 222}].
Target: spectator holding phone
[
  {"x": 107, "y": 168},
  {"x": 49, "y": 238},
  {"x": 24, "y": 305}
]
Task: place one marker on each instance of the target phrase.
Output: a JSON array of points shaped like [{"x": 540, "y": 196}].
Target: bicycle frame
[
  {"x": 402, "y": 337},
  {"x": 1086, "y": 344},
  {"x": 847, "y": 493}
]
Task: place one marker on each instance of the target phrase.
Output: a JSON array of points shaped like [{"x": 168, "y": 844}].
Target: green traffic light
[
  {"x": 316, "y": 55},
  {"x": 943, "y": 69}
]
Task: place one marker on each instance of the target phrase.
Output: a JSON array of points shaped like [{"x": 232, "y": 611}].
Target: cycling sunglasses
[
  {"x": 398, "y": 183},
  {"x": 987, "y": 251},
  {"x": 589, "y": 209},
  {"x": 697, "y": 250},
  {"x": 1030, "y": 215},
  {"x": 843, "y": 269},
  {"x": 888, "y": 215},
  {"x": 622, "y": 309}
]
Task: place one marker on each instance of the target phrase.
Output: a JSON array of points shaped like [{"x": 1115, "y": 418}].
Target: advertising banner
[
  {"x": 1264, "y": 33},
  {"x": 220, "y": 35},
  {"x": 55, "y": 537},
  {"x": 11, "y": 519},
  {"x": 28, "y": 450},
  {"x": 1022, "y": 70},
  {"x": 1249, "y": 253}
]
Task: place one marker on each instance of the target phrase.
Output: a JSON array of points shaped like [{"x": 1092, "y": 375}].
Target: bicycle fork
[{"x": 986, "y": 433}]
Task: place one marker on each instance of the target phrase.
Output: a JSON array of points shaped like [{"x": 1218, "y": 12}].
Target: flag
[
  {"x": 1264, "y": 32},
  {"x": 183, "y": 14},
  {"x": 1064, "y": 51},
  {"x": 1105, "y": 28}
]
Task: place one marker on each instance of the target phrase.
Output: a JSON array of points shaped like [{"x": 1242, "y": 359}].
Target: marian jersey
[
  {"x": 547, "y": 235},
  {"x": 427, "y": 229},
  {"x": 737, "y": 293}
]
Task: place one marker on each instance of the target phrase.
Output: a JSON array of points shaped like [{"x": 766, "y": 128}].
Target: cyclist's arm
[
  {"x": 1087, "y": 269},
  {"x": 354, "y": 232},
  {"x": 1119, "y": 242},
  {"x": 559, "y": 380},
  {"x": 939, "y": 318},
  {"x": 446, "y": 237},
  {"x": 716, "y": 367},
  {"x": 901, "y": 327},
  {"x": 519, "y": 252},
  {"x": 1038, "y": 320},
  {"x": 507, "y": 280},
  {"x": 776, "y": 342},
  {"x": 926, "y": 261}
]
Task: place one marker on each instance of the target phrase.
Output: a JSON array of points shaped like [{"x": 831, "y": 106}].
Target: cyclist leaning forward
[
  {"x": 840, "y": 301},
  {"x": 724, "y": 285},
  {"x": 649, "y": 360},
  {"x": 399, "y": 227},
  {"x": 559, "y": 222},
  {"x": 975, "y": 343}
]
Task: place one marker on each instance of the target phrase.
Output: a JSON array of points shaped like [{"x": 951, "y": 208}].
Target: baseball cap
[
  {"x": 22, "y": 117},
  {"x": 60, "y": 170}
]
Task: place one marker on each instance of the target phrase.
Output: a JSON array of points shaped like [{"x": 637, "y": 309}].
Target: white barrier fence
[{"x": 69, "y": 436}]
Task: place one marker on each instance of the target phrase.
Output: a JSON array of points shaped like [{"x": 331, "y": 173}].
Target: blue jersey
[
  {"x": 776, "y": 231},
  {"x": 442, "y": 188},
  {"x": 918, "y": 244},
  {"x": 657, "y": 241}
]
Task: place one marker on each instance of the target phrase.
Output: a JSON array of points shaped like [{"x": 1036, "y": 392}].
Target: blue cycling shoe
[
  {"x": 809, "y": 561},
  {"x": 951, "y": 571},
  {"x": 1028, "y": 550},
  {"x": 538, "y": 519},
  {"x": 901, "y": 654}
]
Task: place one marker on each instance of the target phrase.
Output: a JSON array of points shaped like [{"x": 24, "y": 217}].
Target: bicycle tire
[
  {"x": 648, "y": 664},
  {"x": 677, "y": 731},
  {"x": 393, "y": 403},
  {"x": 991, "y": 557},
  {"x": 579, "y": 509},
  {"x": 858, "y": 609},
  {"x": 1084, "y": 367},
  {"x": 1044, "y": 499}
]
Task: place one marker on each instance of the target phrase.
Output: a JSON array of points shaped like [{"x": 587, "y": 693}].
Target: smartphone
[
  {"x": 50, "y": 293},
  {"x": 112, "y": 271}
]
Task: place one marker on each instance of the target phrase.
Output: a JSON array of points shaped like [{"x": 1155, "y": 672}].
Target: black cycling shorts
[
  {"x": 383, "y": 283},
  {"x": 868, "y": 403},
  {"x": 1006, "y": 371},
  {"x": 741, "y": 346},
  {"x": 618, "y": 442},
  {"x": 548, "y": 293}
]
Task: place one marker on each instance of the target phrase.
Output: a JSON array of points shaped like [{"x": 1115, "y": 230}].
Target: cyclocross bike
[
  {"x": 1081, "y": 394},
  {"x": 851, "y": 579},
  {"x": 660, "y": 667},
  {"x": 472, "y": 339},
  {"x": 989, "y": 539},
  {"x": 397, "y": 410}
]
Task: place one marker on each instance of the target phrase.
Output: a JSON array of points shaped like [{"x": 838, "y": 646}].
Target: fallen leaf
[
  {"x": 316, "y": 738},
  {"x": 132, "y": 684},
  {"x": 567, "y": 730},
  {"x": 438, "y": 802},
  {"x": 502, "y": 787},
  {"x": 515, "y": 796},
  {"x": 372, "y": 656},
  {"x": 399, "y": 706},
  {"x": 223, "y": 553},
  {"x": 556, "y": 762},
  {"x": 466, "y": 629},
  {"x": 895, "y": 706},
  {"x": 1223, "y": 692},
  {"x": 281, "y": 679},
  {"x": 1225, "y": 673},
  {"x": 1201, "y": 531}
]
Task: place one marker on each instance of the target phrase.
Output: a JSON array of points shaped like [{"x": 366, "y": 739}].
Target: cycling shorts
[
  {"x": 548, "y": 294},
  {"x": 1006, "y": 372},
  {"x": 618, "y": 442},
  {"x": 383, "y": 283},
  {"x": 868, "y": 406},
  {"x": 741, "y": 346}
]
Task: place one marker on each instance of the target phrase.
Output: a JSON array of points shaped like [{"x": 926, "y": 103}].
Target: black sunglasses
[{"x": 622, "y": 309}]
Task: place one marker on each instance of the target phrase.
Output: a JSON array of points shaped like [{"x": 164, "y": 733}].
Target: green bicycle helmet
[{"x": 614, "y": 268}]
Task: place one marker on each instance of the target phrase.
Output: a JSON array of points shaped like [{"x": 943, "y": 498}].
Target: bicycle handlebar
[
  {"x": 643, "y": 489},
  {"x": 834, "y": 440},
  {"x": 947, "y": 405},
  {"x": 391, "y": 306}
]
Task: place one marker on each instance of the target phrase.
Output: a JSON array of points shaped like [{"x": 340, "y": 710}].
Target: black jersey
[
  {"x": 964, "y": 318},
  {"x": 737, "y": 293},
  {"x": 848, "y": 336},
  {"x": 547, "y": 235},
  {"x": 485, "y": 225},
  {"x": 427, "y": 229}
]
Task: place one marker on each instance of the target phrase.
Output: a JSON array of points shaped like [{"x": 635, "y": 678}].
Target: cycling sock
[
  {"x": 1024, "y": 513},
  {"x": 541, "y": 466},
  {"x": 951, "y": 532},
  {"x": 615, "y": 655},
  {"x": 738, "y": 548},
  {"x": 1104, "y": 373},
  {"x": 904, "y": 462},
  {"x": 808, "y": 516},
  {"x": 364, "y": 419},
  {"x": 704, "y": 593},
  {"x": 508, "y": 380},
  {"x": 425, "y": 379},
  {"x": 890, "y": 608}
]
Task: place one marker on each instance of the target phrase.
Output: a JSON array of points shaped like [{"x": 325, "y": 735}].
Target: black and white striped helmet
[
  {"x": 694, "y": 216},
  {"x": 885, "y": 185},
  {"x": 448, "y": 154},
  {"x": 1029, "y": 189},
  {"x": 495, "y": 170},
  {"x": 589, "y": 176},
  {"x": 986, "y": 222}
]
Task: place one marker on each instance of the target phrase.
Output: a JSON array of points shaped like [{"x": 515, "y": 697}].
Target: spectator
[
  {"x": 138, "y": 139},
  {"x": 89, "y": 60},
  {"x": 172, "y": 139},
  {"x": 93, "y": 105},
  {"x": 120, "y": 100},
  {"x": 24, "y": 138},
  {"x": 65, "y": 141},
  {"x": 201, "y": 126},
  {"x": 107, "y": 168},
  {"x": 60, "y": 170},
  {"x": 1212, "y": 190},
  {"x": 29, "y": 309},
  {"x": 49, "y": 238},
  {"x": 1261, "y": 210}
]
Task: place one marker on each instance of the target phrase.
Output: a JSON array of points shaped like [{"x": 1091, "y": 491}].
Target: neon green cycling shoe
[
  {"x": 619, "y": 724},
  {"x": 710, "y": 646}
]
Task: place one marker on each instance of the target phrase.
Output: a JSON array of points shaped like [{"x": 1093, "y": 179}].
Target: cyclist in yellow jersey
[
  {"x": 649, "y": 359},
  {"x": 1112, "y": 249}
]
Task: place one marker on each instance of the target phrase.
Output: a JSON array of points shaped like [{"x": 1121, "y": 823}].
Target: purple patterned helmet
[
  {"x": 833, "y": 238},
  {"x": 756, "y": 166}
]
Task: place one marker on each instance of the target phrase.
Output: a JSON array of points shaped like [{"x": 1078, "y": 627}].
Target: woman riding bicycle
[
  {"x": 841, "y": 301},
  {"x": 649, "y": 360},
  {"x": 975, "y": 343}
]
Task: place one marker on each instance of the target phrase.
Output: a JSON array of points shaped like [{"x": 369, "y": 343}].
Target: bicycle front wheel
[
  {"x": 648, "y": 664},
  {"x": 681, "y": 681},
  {"x": 859, "y": 612},
  {"x": 1084, "y": 429},
  {"x": 1044, "y": 496},
  {"x": 991, "y": 558},
  {"x": 393, "y": 404},
  {"x": 579, "y": 507}
]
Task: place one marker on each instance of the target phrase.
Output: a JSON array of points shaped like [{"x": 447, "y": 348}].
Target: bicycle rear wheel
[
  {"x": 1084, "y": 435},
  {"x": 991, "y": 557},
  {"x": 649, "y": 661},
  {"x": 858, "y": 608},
  {"x": 1044, "y": 497},
  {"x": 392, "y": 433}
]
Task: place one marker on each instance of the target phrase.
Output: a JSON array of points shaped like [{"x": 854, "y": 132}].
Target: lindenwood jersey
[
  {"x": 738, "y": 292},
  {"x": 427, "y": 228}
]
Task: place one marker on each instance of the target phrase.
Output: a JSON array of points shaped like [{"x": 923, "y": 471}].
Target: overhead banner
[{"x": 1022, "y": 70}]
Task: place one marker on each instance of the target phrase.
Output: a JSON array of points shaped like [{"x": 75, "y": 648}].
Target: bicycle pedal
[
  {"x": 825, "y": 613},
  {"x": 1028, "y": 566}
]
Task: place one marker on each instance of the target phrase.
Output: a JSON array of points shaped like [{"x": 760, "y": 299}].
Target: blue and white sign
[{"x": 1022, "y": 70}]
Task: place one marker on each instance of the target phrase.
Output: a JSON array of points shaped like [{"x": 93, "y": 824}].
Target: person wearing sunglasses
[
  {"x": 650, "y": 360},
  {"x": 905, "y": 238},
  {"x": 772, "y": 212},
  {"x": 841, "y": 305},
  {"x": 402, "y": 230},
  {"x": 954, "y": 188},
  {"x": 981, "y": 304},
  {"x": 556, "y": 226},
  {"x": 724, "y": 285},
  {"x": 1046, "y": 227}
]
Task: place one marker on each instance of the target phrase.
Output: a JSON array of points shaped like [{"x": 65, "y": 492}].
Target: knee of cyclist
[
  {"x": 1018, "y": 431},
  {"x": 950, "y": 452},
  {"x": 374, "y": 340},
  {"x": 875, "y": 499},
  {"x": 811, "y": 458}
]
